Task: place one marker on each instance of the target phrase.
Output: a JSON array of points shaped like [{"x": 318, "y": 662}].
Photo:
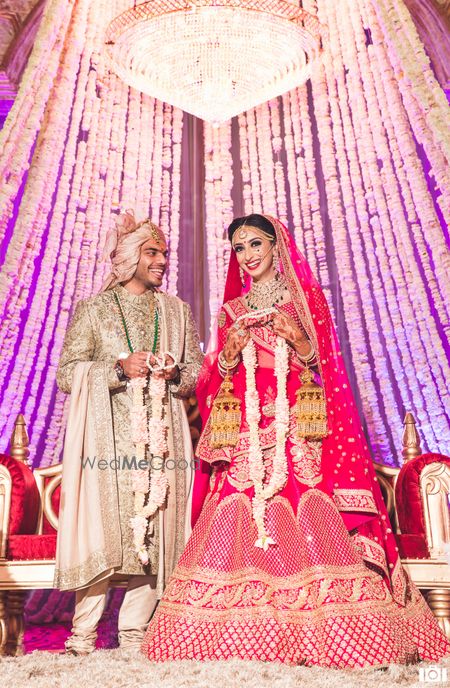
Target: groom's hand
[
  {"x": 172, "y": 372},
  {"x": 135, "y": 365}
]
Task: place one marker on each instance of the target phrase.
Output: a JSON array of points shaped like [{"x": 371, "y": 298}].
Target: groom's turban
[{"x": 123, "y": 246}]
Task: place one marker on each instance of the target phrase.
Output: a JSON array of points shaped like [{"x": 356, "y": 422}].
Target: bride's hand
[
  {"x": 284, "y": 326},
  {"x": 259, "y": 320},
  {"x": 237, "y": 338}
]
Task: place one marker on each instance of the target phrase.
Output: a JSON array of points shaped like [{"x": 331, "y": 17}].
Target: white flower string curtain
[
  {"x": 357, "y": 129},
  {"x": 218, "y": 207},
  {"x": 343, "y": 160},
  {"x": 87, "y": 146}
]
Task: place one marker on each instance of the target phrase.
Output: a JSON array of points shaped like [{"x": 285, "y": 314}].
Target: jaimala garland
[{"x": 147, "y": 429}]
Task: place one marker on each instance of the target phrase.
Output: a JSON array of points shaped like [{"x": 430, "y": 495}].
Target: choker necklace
[{"x": 266, "y": 294}]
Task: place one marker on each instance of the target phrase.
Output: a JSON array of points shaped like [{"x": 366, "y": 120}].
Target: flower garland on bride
[{"x": 266, "y": 489}]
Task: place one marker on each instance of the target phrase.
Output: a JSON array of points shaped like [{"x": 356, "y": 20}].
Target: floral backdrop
[{"x": 356, "y": 162}]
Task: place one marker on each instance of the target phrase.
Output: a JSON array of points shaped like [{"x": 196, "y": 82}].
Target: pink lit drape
[
  {"x": 86, "y": 146},
  {"x": 348, "y": 161}
]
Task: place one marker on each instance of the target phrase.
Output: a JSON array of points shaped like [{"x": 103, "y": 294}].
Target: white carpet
[{"x": 121, "y": 669}]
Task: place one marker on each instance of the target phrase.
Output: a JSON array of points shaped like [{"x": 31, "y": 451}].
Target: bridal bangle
[
  {"x": 224, "y": 366},
  {"x": 308, "y": 357}
]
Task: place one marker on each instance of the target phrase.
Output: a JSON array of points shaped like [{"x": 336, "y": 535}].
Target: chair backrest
[
  {"x": 19, "y": 500},
  {"x": 422, "y": 500}
]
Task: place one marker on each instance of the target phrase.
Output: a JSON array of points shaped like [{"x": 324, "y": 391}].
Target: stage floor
[{"x": 129, "y": 669}]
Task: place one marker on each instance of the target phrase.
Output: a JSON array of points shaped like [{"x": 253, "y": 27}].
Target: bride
[{"x": 292, "y": 557}]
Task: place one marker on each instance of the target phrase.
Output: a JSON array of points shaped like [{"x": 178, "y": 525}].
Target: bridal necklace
[{"x": 266, "y": 294}]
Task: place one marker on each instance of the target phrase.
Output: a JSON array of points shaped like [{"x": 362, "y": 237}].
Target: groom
[{"x": 130, "y": 331}]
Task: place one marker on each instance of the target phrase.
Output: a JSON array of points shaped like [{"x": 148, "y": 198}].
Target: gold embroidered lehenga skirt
[{"x": 314, "y": 598}]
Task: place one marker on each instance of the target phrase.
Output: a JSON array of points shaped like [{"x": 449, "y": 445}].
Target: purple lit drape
[{"x": 347, "y": 161}]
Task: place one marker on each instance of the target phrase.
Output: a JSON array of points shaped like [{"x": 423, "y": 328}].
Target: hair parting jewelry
[{"x": 242, "y": 234}]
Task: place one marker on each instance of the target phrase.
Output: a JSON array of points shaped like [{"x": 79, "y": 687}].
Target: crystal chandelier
[{"x": 214, "y": 58}]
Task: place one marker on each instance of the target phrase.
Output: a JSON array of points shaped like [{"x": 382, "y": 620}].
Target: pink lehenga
[{"x": 331, "y": 591}]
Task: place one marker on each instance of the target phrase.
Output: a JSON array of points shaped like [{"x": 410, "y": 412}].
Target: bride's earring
[
  {"x": 275, "y": 257},
  {"x": 242, "y": 275}
]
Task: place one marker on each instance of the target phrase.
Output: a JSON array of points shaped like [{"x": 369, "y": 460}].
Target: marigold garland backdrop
[{"x": 356, "y": 162}]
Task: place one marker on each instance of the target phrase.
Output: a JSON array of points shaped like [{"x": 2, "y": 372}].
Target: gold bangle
[
  {"x": 223, "y": 363},
  {"x": 307, "y": 358}
]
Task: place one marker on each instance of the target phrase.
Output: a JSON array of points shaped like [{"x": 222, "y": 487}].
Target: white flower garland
[
  {"x": 219, "y": 206},
  {"x": 155, "y": 435},
  {"x": 265, "y": 491}
]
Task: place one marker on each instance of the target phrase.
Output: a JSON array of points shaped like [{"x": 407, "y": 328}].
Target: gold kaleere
[
  {"x": 225, "y": 417},
  {"x": 311, "y": 408}
]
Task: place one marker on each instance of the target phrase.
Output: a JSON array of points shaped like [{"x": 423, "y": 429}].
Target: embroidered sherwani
[{"x": 95, "y": 339}]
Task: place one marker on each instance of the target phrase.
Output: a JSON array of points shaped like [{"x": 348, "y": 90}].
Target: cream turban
[{"x": 123, "y": 247}]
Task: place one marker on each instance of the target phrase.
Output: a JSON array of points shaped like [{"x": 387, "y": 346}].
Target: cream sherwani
[{"x": 94, "y": 536}]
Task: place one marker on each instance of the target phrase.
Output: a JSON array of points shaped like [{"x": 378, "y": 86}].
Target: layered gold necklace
[{"x": 266, "y": 294}]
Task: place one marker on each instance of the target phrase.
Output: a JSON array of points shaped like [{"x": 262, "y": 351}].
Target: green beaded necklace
[{"x": 127, "y": 334}]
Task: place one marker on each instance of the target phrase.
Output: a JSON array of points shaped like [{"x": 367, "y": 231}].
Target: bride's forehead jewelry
[{"x": 242, "y": 233}]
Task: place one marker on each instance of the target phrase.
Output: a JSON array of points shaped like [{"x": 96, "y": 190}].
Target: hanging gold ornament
[
  {"x": 311, "y": 408},
  {"x": 225, "y": 417}
]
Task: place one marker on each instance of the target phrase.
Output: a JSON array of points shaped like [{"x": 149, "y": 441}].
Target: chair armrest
[
  {"x": 387, "y": 478},
  {"x": 47, "y": 480}
]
